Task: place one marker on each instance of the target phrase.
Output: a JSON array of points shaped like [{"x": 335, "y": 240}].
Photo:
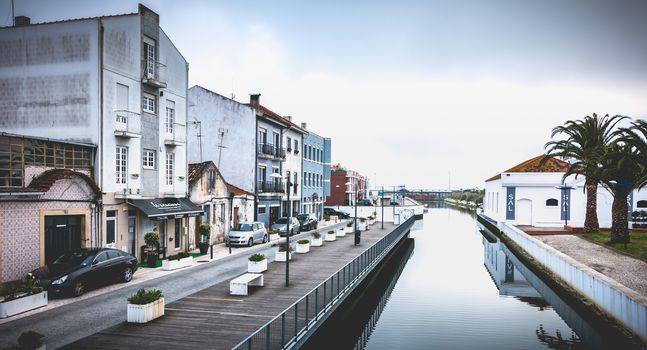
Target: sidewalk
[
  {"x": 628, "y": 271},
  {"x": 142, "y": 275}
]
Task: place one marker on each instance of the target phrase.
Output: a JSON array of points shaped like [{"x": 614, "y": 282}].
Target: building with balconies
[
  {"x": 316, "y": 173},
  {"x": 274, "y": 135},
  {"x": 116, "y": 82}
]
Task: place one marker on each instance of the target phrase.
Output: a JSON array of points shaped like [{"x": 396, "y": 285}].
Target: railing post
[
  {"x": 282, "y": 329},
  {"x": 249, "y": 344},
  {"x": 307, "y": 302},
  {"x": 296, "y": 320},
  {"x": 317, "y": 302},
  {"x": 267, "y": 337}
]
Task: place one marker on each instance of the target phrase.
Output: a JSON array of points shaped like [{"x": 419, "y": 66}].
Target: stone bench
[{"x": 238, "y": 286}]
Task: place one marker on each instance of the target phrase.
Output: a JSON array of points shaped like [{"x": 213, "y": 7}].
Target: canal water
[{"x": 452, "y": 285}]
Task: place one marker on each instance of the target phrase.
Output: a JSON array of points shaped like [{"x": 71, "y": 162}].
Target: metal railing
[
  {"x": 271, "y": 150},
  {"x": 152, "y": 70},
  {"x": 286, "y": 329},
  {"x": 127, "y": 123},
  {"x": 270, "y": 187}
]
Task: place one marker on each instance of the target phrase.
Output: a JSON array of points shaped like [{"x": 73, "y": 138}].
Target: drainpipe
[{"x": 99, "y": 226}]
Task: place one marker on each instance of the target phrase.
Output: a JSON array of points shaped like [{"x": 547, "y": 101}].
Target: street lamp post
[
  {"x": 287, "y": 230},
  {"x": 382, "y": 200}
]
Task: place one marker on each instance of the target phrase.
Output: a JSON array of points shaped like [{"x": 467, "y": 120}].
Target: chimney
[
  {"x": 22, "y": 21},
  {"x": 304, "y": 126},
  {"x": 255, "y": 100},
  {"x": 288, "y": 117}
]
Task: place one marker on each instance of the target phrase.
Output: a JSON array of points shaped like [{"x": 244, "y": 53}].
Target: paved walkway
[
  {"x": 213, "y": 319},
  {"x": 66, "y": 320},
  {"x": 630, "y": 272}
]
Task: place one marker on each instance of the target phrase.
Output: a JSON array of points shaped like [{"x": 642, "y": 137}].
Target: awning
[{"x": 167, "y": 208}]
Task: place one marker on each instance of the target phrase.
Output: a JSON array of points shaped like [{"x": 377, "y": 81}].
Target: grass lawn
[
  {"x": 637, "y": 247},
  {"x": 144, "y": 264}
]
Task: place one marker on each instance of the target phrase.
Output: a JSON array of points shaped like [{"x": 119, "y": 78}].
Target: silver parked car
[
  {"x": 281, "y": 226},
  {"x": 247, "y": 233}
]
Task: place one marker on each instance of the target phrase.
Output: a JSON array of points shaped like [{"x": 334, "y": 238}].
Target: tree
[
  {"x": 584, "y": 147},
  {"x": 621, "y": 173},
  {"x": 636, "y": 137}
]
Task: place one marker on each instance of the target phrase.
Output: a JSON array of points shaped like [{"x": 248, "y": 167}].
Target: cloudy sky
[{"x": 410, "y": 91}]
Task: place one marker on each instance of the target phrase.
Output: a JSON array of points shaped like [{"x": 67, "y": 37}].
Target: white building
[
  {"x": 528, "y": 195},
  {"x": 116, "y": 82},
  {"x": 293, "y": 141},
  {"x": 223, "y": 131}
]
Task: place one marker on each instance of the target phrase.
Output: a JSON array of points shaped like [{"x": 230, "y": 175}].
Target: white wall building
[
  {"x": 527, "y": 195},
  {"x": 223, "y": 131},
  {"x": 293, "y": 141},
  {"x": 116, "y": 82}
]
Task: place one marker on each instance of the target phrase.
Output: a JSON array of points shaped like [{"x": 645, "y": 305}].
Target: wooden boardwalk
[{"x": 212, "y": 319}]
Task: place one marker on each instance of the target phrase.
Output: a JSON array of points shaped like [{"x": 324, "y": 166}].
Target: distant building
[
  {"x": 528, "y": 194},
  {"x": 118, "y": 83},
  {"x": 343, "y": 184},
  {"x": 316, "y": 173}
]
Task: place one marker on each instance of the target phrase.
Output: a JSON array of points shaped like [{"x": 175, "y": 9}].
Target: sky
[{"x": 415, "y": 93}]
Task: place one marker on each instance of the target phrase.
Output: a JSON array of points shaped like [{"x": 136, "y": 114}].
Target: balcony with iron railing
[
  {"x": 153, "y": 73},
  {"x": 127, "y": 124},
  {"x": 175, "y": 136},
  {"x": 270, "y": 187},
  {"x": 268, "y": 150}
]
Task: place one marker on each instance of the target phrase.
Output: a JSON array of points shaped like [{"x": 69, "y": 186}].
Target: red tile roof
[
  {"x": 262, "y": 110},
  {"x": 553, "y": 165},
  {"x": 236, "y": 191}
]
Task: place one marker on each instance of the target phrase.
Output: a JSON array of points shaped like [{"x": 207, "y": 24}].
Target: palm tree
[
  {"x": 584, "y": 146},
  {"x": 636, "y": 136},
  {"x": 621, "y": 174}
]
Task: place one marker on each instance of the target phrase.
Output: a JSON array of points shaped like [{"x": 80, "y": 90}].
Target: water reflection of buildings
[{"x": 503, "y": 272}]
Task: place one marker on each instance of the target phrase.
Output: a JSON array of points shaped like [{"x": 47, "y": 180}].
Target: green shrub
[
  {"x": 303, "y": 241},
  {"x": 275, "y": 232},
  {"x": 350, "y": 224},
  {"x": 256, "y": 257},
  {"x": 178, "y": 256},
  {"x": 205, "y": 232},
  {"x": 316, "y": 235},
  {"x": 152, "y": 239},
  {"x": 143, "y": 297},
  {"x": 326, "y": 216},
  {"x": 284, "y": 246},
  {"x": 28, "y": 286}
]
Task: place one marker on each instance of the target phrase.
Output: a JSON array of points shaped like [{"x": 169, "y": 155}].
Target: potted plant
[
  {"x": 256, "y": 263},
  {"x": 371, "y": 220},
  {"x": 274, "y": 235},
  {"x": 205, "y": 236},
  {"x": 341, "y": 232},
  {"x": 326, "y": 217},
  {"x": 28, "y": 295},
  {"x": 279, "y": 255},
  {"x": 177, "y": 261},
  {"x": 152, "y": 240},
  {"x": 330, "y": 236},
  {"x": 349, "y": 227},
  {"x": 317, "y": 240},
  {"x": 145, "y": 306},
  {"x": 363, "y": 225},
  {"x": 303, "y": 246}
]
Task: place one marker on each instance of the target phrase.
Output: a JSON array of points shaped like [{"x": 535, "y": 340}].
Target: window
[
  {"x": 148, "y": 103},
  {"x": 211, "y": 179},
  {"x": 111, "y": 226},
  {"x": 170, "y": 160},
  {"x": 552, "y": 202},
  {"x": 277, "y": 139},
  {"x": 148, "y": 159},
  {"x": 222, "y": 212},
  {"x": 261, "y": 210},
  {"x": 150, "y": 56},
  {"x": 289, "y": 143},
  {"x": 170, "y": 116},
  {"x": 101, "y": 257},
  {"x": 262, "y": 136},
  {"x": 207, "y": 210},
  {"x": 296, "y": 147},
  {"x": 641, "y": 204},
  {"x": 296, "y": 182},
  {"x": 121, "y": 164}
]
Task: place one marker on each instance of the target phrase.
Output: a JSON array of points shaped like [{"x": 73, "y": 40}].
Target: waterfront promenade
[{"x": 212, "y": 319}]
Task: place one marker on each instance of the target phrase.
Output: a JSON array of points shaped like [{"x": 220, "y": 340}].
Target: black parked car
[
  {"x": 341, "y": 215},
  {"x": 307, "y": 222},
  {"x": 74, "y": 272}
]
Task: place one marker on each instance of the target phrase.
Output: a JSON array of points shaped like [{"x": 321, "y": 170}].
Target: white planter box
[
  {"x": 168, "y": 265},
  {"x": 147, "y": 312},
  {"x": 303, "y": 248},
  {"x": 341, "y": 233},
  {"x": 371, "y": 221},
  {"x": 334, "y": 219},
  {"x": 362, "y": 226},
  {"x": 257, "y": 266},
  {"x": 280, "y": 256},
  {"x": 20, "y": 305},
  {"x": 330, "y": 237},
  {"x": 274, "y": 236},
  {"x": 316, "y": 242},
  {"x": 348, "y": 229}
]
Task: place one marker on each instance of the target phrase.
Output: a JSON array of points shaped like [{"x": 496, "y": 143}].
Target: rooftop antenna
[
  {"x": 198, "y": 125},
  {"x": 13, "y": 14},
  {"x": 233, "y": 95},
  {"x": 221, "y": 133}
]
